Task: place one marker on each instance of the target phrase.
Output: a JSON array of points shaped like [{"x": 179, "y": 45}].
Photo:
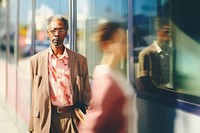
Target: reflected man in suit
[
  {"x": 154, "y": 60},
  {"x": 154, "y": 72}
]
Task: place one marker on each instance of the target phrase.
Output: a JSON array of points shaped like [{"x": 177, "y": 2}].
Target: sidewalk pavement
[{"x": 6, "y": 124}]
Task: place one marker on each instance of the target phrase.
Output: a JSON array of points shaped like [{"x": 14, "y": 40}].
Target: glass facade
[
  {"x": 3, "y": 47},
  {"x": 23, "y": 82},
  {"x": 12, "y": 55},
  {"x": 153, "y": 44},
  {"x": 23, "y": 33},
  {"x": 90, "y": 13},
  {"x": 176, "y": 67},
  {"x": 163, "y": 43}
]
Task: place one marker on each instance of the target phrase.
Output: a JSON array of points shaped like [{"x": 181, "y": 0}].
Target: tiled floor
[{"x": 6, "y": 124}]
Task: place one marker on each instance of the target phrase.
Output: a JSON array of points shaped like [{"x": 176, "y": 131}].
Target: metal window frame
[{"x": 72, "y": 24}]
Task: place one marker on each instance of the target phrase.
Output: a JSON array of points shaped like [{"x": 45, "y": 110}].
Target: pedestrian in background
[{"x": 112, "y": 108}]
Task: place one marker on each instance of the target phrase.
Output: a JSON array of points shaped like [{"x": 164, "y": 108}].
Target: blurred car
[{"x": 39, "y": 46}]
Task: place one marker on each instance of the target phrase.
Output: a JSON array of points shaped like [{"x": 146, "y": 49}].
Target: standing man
[{"x": 60, "y": 84}]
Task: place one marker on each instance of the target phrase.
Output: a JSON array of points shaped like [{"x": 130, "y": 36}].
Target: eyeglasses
[{"x": 60, "y": 31}]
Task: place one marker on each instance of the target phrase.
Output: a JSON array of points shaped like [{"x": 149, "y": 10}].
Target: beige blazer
[{"x": 40, "y": 117}]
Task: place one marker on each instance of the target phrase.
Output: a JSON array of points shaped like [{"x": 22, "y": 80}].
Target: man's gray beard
[{"x": 57, "y": 44}]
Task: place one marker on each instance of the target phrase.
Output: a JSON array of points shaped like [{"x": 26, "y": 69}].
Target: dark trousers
[{"x": 64, "y": 122}]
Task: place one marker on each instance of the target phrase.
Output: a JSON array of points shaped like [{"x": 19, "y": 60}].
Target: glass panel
[
  {"x": 3, "y": 43},
  {"x": 186, "y": 37},
  {"x": 45, "y": 9},
  {"x": 166, "y": 45},
  {"x": 23, "y": 81},
  {"x": 153, "y": 45},
  {"x": 91, "y": 13},
  {"x": 12, "y": 55}
]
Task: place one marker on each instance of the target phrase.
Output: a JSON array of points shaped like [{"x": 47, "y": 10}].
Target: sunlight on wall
[{"x": 186, "y": 123}]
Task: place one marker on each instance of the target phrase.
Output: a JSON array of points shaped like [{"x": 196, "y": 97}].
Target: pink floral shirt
[{"x": 59, "y": 80}]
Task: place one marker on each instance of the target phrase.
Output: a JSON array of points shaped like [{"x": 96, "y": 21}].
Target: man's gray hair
[{"x": 58, "y": 17}]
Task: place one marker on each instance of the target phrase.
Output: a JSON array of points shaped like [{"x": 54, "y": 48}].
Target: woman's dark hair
[{"x": 106, "y": 30}]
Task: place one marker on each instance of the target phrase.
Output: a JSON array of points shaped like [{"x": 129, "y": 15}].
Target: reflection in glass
[
  {"x": 154, "y": 60},
  {"x": 183, "y": 61},
  {"x": 89, "y": 15},
  {"x": 153, "y": 44},
  {"x": 24, "y": 39},
  {"x": 45, "y": 9},
  {"x": 3, "y": 23}
]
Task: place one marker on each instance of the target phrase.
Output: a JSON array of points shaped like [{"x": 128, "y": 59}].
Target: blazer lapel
[
  {"x": 44, "y": 60},
  {"x": 73, "y": 70},
  {"x": 73, "y": 65}
]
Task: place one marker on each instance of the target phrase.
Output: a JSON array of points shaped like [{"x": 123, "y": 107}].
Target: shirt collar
[
  {"x": 63, "y": 55},
  {"x": 158, "y": 48}
]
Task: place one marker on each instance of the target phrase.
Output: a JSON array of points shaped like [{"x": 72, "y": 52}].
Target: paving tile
[
  {"x": 8, "y": 127},
  {"x": 6, "y": 124}
]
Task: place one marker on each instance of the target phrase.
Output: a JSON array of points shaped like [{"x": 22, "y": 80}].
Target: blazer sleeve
[
  {"x": 30, "y": 128},
  {"x": 85, "y": 88}
]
